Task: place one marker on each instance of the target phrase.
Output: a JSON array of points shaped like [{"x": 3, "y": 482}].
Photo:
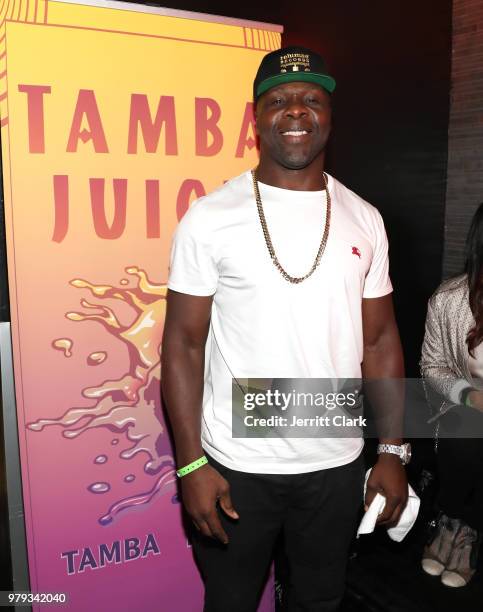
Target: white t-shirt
[{"x": 262, "y": 326}]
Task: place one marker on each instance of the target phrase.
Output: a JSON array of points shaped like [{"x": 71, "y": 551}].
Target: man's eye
[{"x": 277, "y": 101}]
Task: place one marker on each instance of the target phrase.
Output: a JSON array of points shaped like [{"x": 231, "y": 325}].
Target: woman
[{"x": 452, "y": 363}]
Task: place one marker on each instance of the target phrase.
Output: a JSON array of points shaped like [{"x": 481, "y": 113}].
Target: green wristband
[
  {"x": 464, "y": 399},
  {"x": 191, "y": 467}
]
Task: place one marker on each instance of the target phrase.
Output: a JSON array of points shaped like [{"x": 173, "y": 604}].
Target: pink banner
[{"x": 113, "y": 121}]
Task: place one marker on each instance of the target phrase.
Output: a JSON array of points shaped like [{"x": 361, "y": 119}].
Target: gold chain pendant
[{"x": 268, "y": 240}]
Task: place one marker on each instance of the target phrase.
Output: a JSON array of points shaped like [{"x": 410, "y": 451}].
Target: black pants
[
  {"x": 460, "y": 469},
  {"x": 317, "y": 512}
]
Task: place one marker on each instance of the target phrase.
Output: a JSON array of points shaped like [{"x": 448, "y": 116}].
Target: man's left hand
[{"x": 388, "y": 477}]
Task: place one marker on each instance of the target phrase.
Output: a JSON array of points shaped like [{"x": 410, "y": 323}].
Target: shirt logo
[{"x": 355, "y": 251}]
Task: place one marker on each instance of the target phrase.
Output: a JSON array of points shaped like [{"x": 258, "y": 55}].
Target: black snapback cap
[{"x": 288, "y": 65}]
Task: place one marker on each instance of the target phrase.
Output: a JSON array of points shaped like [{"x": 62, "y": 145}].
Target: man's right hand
[{"x": 201, "y": 490}]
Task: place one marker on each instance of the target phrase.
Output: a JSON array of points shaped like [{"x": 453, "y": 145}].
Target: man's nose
[{"x": 296, "y": 108}]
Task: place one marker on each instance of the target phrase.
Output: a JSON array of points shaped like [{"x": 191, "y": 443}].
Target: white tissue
[{"x": 406, "y": 520}]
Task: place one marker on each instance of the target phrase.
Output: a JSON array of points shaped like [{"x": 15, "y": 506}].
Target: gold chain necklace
[{"x": 268, "y": 240}]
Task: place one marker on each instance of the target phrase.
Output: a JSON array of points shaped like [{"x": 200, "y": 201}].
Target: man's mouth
[{"x": 294, "y": 132}]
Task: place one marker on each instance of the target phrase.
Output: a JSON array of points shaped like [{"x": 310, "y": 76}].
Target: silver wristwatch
[{"x": 403, "y": 451}]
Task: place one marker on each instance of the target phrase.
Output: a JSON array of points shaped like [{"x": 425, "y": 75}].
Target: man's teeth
[{"x": 295, "y": 133}]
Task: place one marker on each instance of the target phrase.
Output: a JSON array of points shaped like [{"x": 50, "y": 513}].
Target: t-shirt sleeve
[
  {"x": 192, "y": 268},
  {"x": 377, "y": 282}
]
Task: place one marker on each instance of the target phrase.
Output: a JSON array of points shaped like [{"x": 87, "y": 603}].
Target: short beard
[{"x": 297, "y": 161}]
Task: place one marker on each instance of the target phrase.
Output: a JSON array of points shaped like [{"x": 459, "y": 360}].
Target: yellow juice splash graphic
[
  {"x": 130, "y": 404},
  {"x": 63, "y": 344},
  {"x": 96, "y": 358}
]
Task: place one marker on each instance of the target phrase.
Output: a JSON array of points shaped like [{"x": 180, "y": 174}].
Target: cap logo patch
[{"x": 294, "y": 62}]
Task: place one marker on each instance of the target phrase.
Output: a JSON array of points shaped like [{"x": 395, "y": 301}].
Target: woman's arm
[{"x": 434, "y": 363}]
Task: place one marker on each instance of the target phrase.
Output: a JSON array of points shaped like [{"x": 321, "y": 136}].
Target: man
[{"x": 282, "y": 273}]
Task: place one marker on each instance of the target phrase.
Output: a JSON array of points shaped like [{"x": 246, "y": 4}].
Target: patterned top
[{"x": 444, "y": 358}]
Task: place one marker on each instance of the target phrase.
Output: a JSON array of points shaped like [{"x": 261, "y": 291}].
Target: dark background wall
[
  {"x": 465, "y": 161},
  {"x": 391, "y": 61},
  {"x": 4, "y": 302}
]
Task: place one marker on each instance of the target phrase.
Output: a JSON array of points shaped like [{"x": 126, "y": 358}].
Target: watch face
[{"x": 406, "y": 456}]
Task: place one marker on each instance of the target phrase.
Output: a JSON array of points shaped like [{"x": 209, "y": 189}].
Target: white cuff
[{"x": 456, "y": 390}]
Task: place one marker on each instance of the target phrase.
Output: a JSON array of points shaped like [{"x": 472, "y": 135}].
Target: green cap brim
[{"x": 325, "y": 81}]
